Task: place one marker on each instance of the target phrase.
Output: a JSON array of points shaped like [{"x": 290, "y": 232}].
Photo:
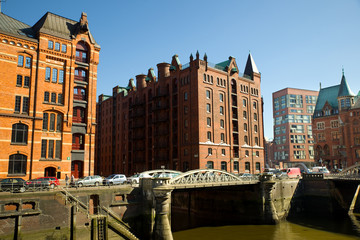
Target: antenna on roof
[{"x": 0, "y": 4}]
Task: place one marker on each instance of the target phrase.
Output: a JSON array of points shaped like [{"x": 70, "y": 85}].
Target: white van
[{"x": 320, "y": 170}]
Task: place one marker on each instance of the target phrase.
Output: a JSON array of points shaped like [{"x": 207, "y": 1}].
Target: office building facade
[{"x": 293, "y": 137}]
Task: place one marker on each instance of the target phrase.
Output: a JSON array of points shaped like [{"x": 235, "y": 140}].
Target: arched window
[
  {"x": 19, "y": 133},
  {"x": 255, "y": 128},
  {"x": 210, "y": 164},
  {"x": 81, "y": 52},
  {"x": 245, "y": 127},
  {"x": 17, "y": 164},
  {"x": 256, "y": 141},
  {"x": 246, "y": 139}
]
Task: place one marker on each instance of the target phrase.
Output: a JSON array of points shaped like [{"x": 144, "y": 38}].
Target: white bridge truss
[{"x": 204, "y": 178}]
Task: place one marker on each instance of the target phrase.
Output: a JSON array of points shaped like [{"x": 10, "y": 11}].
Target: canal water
[{"x": 296, "y": 228}]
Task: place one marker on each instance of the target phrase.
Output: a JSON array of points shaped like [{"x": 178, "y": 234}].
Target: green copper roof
[
  {"x": 329, "y": 95},
  {"x": 344, "y": 89},
  {"x": 223, "y": 65}
]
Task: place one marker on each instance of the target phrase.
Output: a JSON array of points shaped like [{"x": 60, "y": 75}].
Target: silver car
[
  {"x": 88, "y": 181},
  {"x": 115, "y": 179}
]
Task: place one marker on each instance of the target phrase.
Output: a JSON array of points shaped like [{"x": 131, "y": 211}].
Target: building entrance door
[
  {"x": 77, "y": 169},
  {"x": 50, "y": 172}
]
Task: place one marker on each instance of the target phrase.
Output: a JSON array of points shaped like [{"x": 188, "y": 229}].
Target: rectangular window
[
  {"x": 221, "y": 110},
  {"x": 46, "y": 97},
  {"x": 51, "y": 149},
  {"x": 59, "y": 123},
  {"x": 25, "y": 105},
  {"x": 236, "y": 166},
  {"x": 54, "y": 75},
  {"x": 43, "y": 148},
  {"x": 185, "y": 96},
  {"x": 53, "y": 97},
  {"x": 63, "y": 48},
  {"x": 50, "y": 44},
  {"x": 207, "y": 94},
  {"x": 60, "y": 99},
  {"x": 222, "y": 137},
  {"x": 221, "y": 97},
  {"x": 17, "y": 103},
  {"x": 28, "y": 62},
  {"x": 20, "y": 61},
  {"x": 208, "y": 122},
  {"x": 223, "y": 152},
  {"x": 208, "y": 107},
  {"x": 57, "y": 46},
  {"x": 26, "y": 81},
  {"x": 45, "y": 121},
  {"x": 58, "y": 149},
  {"x": 47, "y": 74},
  {"x": 209, "y": 136},
  {"x": 19, "y": 80},
  {"x": 52, "y": 122},
  {"x": 61, "y": 76}
]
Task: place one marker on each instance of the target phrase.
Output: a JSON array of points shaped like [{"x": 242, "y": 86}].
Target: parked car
[
  {"x": 94, "y": 180},
  {"x": 323, "y": 170},
  {"x": 13, "y": 185},
  {"x": 166, "y": 175},
  {"x": 293, "y": 172},
  {"x": 135, "y": 179},
  {"x": 38, "y": 184},
  {"x": 53, "y": 181},
  {"x": 115, "y": 179},
  {"x": 245, "y": 175},
  {"x": 277, "y": 172}
]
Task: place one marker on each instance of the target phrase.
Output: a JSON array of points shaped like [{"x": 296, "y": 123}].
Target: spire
[
  {"x": 250, "y": 67},
  {"x": 197, "y": 54},
  {"x": 344, "y": 89}
]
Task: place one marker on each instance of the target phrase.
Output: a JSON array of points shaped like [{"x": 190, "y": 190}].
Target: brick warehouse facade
[
  {"x": 48, "y": 74},
  {"x": 336, "y": 126},
  {"x": 190, "y": 116}
]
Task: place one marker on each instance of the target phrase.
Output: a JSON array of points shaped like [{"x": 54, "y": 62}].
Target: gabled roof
[
  {"x": 56, "y": 25},
  {"x": 62, "y": 27},
  {"x": 329, "y": 95},
  {"x": 13, "y": 27},
  {"x": 250, "y": 66},
  {"x": 344, "y": 89}
]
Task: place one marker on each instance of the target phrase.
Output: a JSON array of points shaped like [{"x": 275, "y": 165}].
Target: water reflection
[{"x": 299, "y": 228}]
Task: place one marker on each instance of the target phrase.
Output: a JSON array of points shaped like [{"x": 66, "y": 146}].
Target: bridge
[{"x": 146, "y": 210}]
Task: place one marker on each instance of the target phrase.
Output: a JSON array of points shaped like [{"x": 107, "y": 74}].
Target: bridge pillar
[{"x": 162, "y": 228}]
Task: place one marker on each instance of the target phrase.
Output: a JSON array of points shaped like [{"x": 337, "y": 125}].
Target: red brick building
[
  {"x": 293, "y": 138},
  {"x": 336, "y": 126},
  {"x": 48, "y": 74},
  {"x": 189, "y": 116}
]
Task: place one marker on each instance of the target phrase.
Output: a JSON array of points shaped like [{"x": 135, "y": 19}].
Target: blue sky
[{"x": 295, "y": 44}]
